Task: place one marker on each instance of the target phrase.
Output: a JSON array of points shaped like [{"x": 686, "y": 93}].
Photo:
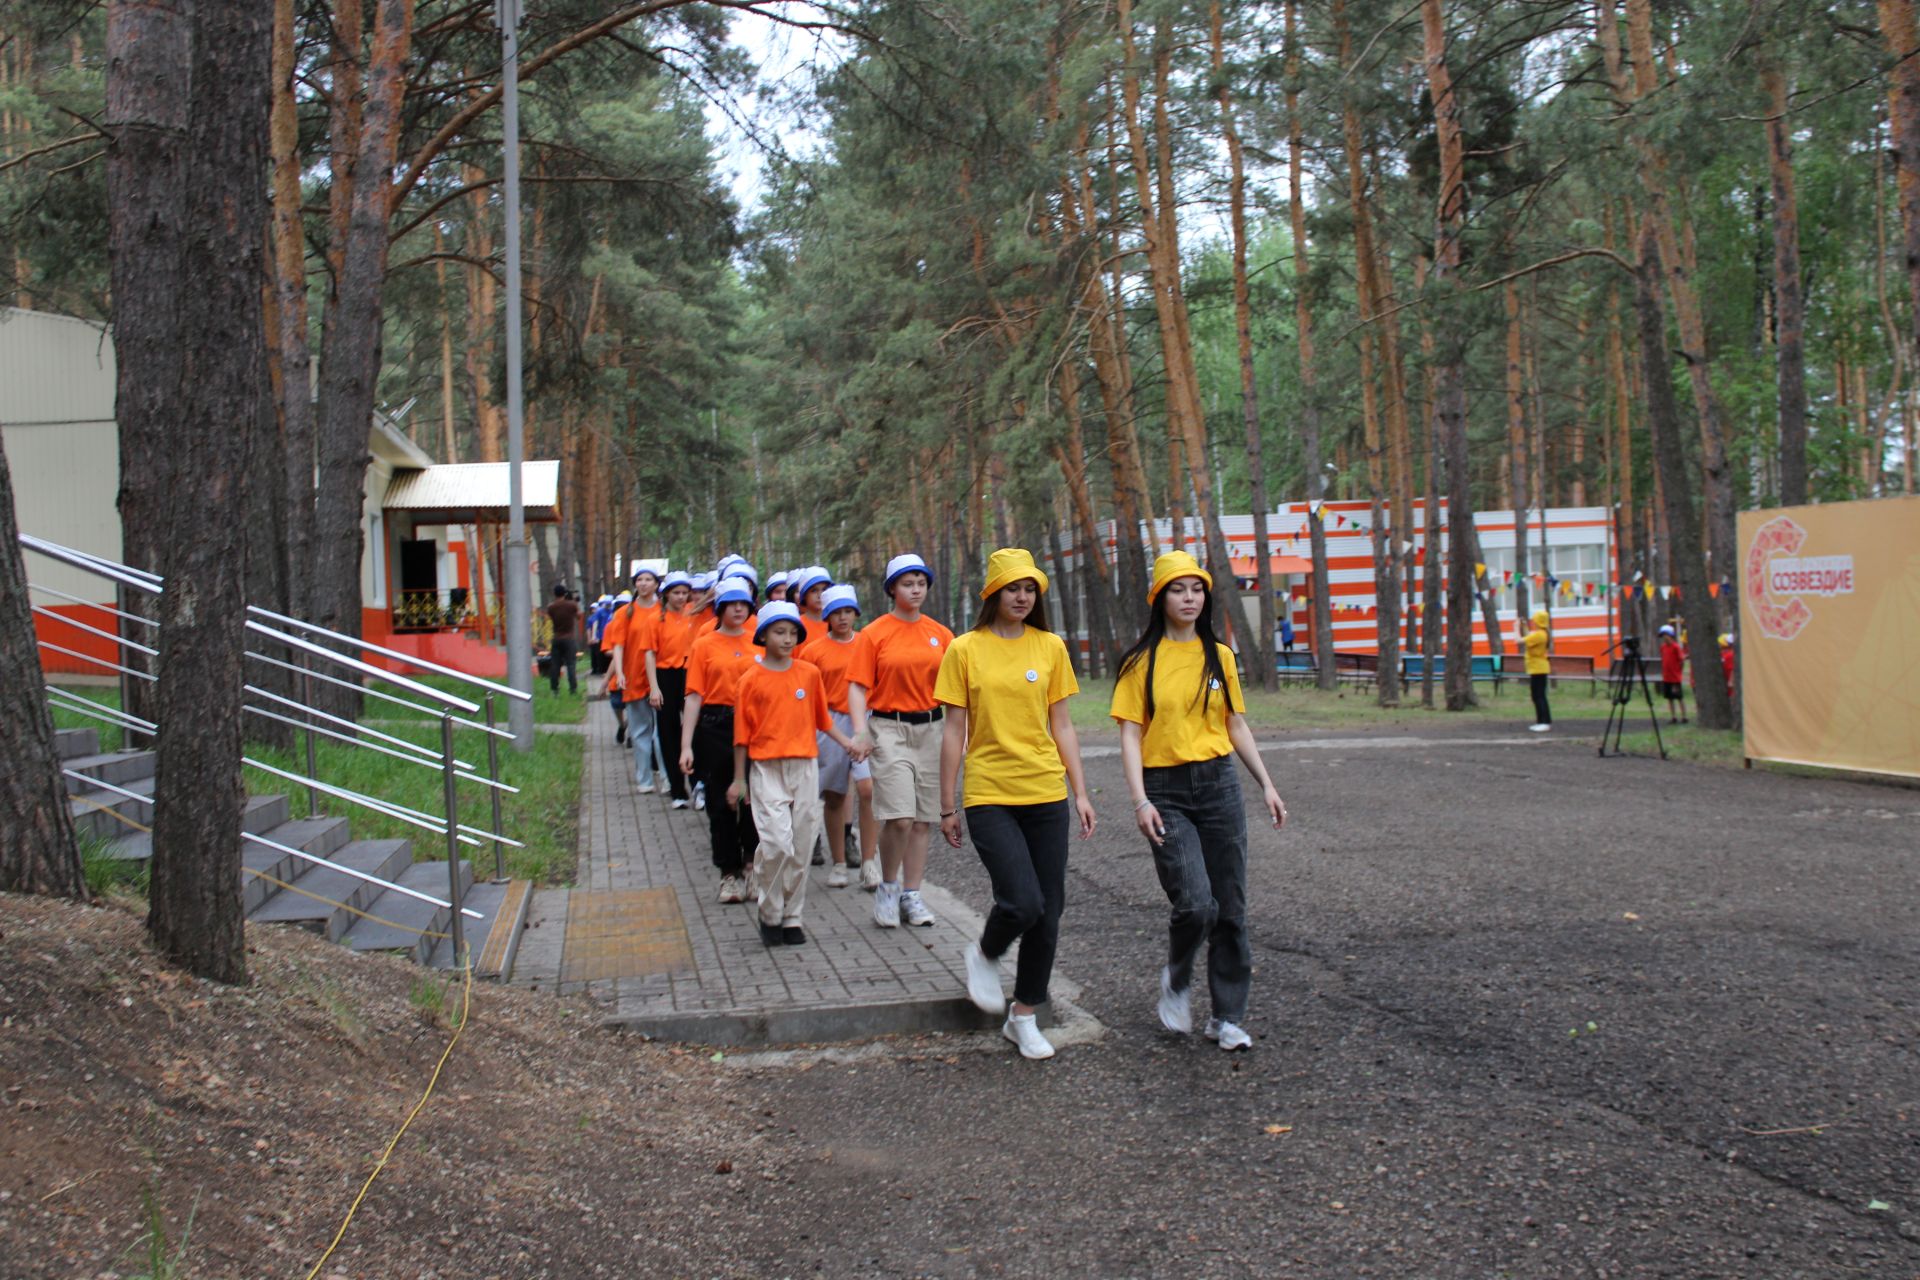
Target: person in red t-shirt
[
  {"x": 1673, "y": 674},
  {"x": 780, "y": 706},
  {"x": 565, "y": 616}
]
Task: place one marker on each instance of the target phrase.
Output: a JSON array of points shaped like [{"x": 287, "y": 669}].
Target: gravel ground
[{"x": 1520, "y": 1011}]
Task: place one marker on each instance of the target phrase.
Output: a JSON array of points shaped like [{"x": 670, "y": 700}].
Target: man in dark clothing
[{"x": 566, "y": 619}]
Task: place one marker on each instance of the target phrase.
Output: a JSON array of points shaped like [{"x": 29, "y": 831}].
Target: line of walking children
[{"x": 774, "y": 717}]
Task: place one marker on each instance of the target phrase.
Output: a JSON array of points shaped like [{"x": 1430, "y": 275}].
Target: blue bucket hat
[
  {"x": 908, "y": 563},
  {"x": 674, "y": 578},
  {"x": 778, "y": 611},
  {"x": 777, "y": 580},
  {"x": 732, "y": 591},
  {"x": 810, "y": 577},
  {"x": 842, "y": 596}
]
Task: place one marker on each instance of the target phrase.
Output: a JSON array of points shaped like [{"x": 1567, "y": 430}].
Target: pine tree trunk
[
  {"x": 1517, "y": 457},
  {"x": 1243, "y": 332},
  {"x": 291, "y": 353},
  {"x": 194, "y": 913},
  {"x": 1789, "y": 302},
  {"x": 148, "y": 46},
  {"x": 1322, "y": 601},
  {"x": 37, "y": 849},
  {"x": 350, "y": 359},
  {"x": 1714, "y": 710},
  {"x": 1898, "y": 28},
  {"x": 1450, "y": 397}
]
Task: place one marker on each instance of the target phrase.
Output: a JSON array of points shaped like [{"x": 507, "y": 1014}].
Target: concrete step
[
  {"x": 118, "y": 767},
  {"x": 404, "y": 923},
  {"x": 324, "y": 900},
  {"x": 262, "y": 814},
  {"x": 493, "y": 941},
  {"x": 69, "y": 743},
  {"x": 110, "y": 815},
  {"x": 318, "y": 836}
]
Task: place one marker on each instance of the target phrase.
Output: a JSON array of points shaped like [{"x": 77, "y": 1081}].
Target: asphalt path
[{"x": 1519, "y": 1011}]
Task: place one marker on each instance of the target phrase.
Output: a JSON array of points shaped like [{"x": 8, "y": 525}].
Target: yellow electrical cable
[{"x": 466, "y": 1003}]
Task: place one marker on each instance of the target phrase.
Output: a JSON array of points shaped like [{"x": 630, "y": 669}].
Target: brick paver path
[{"x": 643, "y": 933}]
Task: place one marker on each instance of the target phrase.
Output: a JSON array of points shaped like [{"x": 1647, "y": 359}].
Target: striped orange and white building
[{"x": 1570, "y": 559}]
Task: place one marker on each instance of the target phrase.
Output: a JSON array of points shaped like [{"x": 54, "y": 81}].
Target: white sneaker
[
  {"x": 886, "y": 906},
  {"x": 1538, "y": 728},
  {"x": 837, "y": 878},
  {"x": 1025, "y": 1032},
  {"x": 732, "y": 889},
  {"x": 914, "y": 909},
  {"x": 870, "y": 874},
  {"x": 699, "y": 795},
  {"x": 983, "y": 980},
  {"x": 1176, "y": 1007},
  {"x": 678, "y": 804},
  {"x": 1229, "y": 1036}
]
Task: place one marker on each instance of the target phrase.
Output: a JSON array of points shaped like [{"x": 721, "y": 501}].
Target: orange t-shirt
[
  {"x": 717, "y": 664},
  {"x": 835, "y": 660},
  {"x": 672, "y": 640},
  {"x": 777, "y": 713},
  {"x": 712, "y": 624},
  {"x": 898, "y": 662},
  {"x": 610, "y": 639},
  {"x": 811, "y": 629},
  {"x": 637, "y": 635}
]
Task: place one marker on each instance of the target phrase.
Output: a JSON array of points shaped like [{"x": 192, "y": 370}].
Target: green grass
[
  {"x": 106, "y": 695},
  {"x": 1353, "y": 706},
  {"x": 544, "y": 815},
  {"x": 1721, "y": 747}
]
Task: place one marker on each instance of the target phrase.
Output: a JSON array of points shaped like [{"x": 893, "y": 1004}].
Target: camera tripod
[{"x": 1626, "y": 670}]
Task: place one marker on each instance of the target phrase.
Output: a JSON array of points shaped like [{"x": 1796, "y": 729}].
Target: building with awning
[{"x": 439, "y": 527}]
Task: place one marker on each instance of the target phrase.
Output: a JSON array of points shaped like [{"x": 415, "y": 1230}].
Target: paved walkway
[{"x": 643, "y": 934}]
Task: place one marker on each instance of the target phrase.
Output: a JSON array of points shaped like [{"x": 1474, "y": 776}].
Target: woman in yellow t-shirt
[
  {"x": 1005, "y": 684},
  {"x": 1182, "y": 720}
]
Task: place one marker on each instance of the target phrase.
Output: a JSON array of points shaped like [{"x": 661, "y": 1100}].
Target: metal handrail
[
  {"x": 101, "y": 711},
  {"x": 376, "y": 693},
  {"x": 452, "y": 769},
  {"x": 102, "y": 785},
  {"x": 44, "y": 589},
  {"x": 98, "y": 662},
  {"x": 412, "y": 660}
]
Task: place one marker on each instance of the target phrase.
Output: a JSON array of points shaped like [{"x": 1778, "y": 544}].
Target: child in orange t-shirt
[
  {"x": 779, "y": 706},
  {"x": 840, "y": 775}
]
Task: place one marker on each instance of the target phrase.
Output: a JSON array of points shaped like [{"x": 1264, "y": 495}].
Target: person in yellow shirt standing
[
  {"x": 1182, "y": 720},
  {"x": 1537, "y": 640},
  {"x": 1005, "y": 684}
]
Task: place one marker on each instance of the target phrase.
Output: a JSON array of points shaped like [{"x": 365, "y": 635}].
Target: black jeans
[
  {"x": 562, "y": 652},
  {"x": 673, "y": 698},
  {"x": 1024, "y": 849},
  {"x": 1202, "y": 864},
  {"x": 733, "y": 834},
  {"x": 1537, "y": 686}
]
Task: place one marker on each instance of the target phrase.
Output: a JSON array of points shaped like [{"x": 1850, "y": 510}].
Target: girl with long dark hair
[
  {"x": 1005, "y": 684},
  {"x": 1182, "y": 720}
]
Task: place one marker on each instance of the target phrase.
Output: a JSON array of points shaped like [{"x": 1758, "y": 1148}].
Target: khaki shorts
[{"x": 906, "y": 769}]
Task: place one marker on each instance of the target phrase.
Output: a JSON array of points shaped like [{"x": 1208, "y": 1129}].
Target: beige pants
[
  {"x": 906, "y": 769},
  {"x": 786, "y": 815}
]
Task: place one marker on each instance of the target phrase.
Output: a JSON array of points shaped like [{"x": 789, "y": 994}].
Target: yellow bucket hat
[
  {"x": 1010, "y": 564},
  {"x": 1175, "y": 564},
  {"x": 1541, "y": 618}
]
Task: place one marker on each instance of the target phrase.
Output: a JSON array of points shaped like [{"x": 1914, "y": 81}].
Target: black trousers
[
  {"x": 1537, "y": 686},
  {"x": 733, "y": 834},
  {"x": 562, "y": 653},
  {"x": 673, "y": 702},
  {"x": 1024, "y": 849}
]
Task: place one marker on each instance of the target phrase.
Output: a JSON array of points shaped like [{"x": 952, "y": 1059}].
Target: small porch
[{"x": 444, "y": 526}]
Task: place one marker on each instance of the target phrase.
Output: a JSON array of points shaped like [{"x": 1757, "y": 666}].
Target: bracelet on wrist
[
  {"x": 948, "y": 814},
  {"x": 1141, "y": 804}
]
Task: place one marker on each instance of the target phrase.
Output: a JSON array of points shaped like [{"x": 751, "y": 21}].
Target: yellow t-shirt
[
  {"x": 1007, "y": 688},
  {"x": 1536, "y": 646},
  {"x": 1179, "y": 732}
]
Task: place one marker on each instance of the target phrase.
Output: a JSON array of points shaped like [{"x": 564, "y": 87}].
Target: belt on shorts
[
  {"x": 716, "y": 712},
  {"x": 911, "y": 717}
]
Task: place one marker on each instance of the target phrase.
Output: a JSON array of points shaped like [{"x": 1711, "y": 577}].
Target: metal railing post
[
  {"x": 306, "y": 696},
  {"x": 453, "y": 836},
  {"x": 493, "y": 775}
]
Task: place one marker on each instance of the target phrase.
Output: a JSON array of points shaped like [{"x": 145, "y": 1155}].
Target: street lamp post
[{"x": 519, "y": 596}]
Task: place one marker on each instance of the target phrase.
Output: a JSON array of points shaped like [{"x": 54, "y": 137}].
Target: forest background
[{"x": 1043, "y": 264}]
